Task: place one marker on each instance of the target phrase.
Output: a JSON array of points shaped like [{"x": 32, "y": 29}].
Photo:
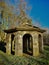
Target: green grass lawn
[{"x": 43, "y": 59}]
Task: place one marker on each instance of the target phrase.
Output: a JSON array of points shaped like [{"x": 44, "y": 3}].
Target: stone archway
[{"x": 27, "y": 44}]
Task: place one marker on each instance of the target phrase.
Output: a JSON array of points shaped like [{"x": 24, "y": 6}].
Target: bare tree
[{"x": 12, "y": 17}]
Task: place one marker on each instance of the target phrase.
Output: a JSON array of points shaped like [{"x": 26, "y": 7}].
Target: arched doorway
[
  {"x": 27, "y": 44},
  {"x": 40, "y": 43}
]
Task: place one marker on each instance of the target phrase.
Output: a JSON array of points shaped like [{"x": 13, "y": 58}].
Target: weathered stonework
[
  {"x": 26, "y": 40},
  {"x": 8, "y": 45}
]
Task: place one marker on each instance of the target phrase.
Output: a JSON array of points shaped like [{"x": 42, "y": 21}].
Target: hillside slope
[{"x": 43, "y": 59}]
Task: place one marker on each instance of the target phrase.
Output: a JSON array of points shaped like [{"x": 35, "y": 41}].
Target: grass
[
  {"x": 46, "y": 47},
  {"x": 43, "y": 59}
]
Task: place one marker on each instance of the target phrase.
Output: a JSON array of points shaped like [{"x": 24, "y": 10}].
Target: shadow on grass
[{"x": 1, "y": 63}]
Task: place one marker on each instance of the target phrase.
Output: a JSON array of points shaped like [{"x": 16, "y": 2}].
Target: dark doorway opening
[
  {"x": 27, "y": 44},
  {"x": 12, "y": 44},
  {"x": 2, "y": 46},
  {"x": 40, "y": 43}
]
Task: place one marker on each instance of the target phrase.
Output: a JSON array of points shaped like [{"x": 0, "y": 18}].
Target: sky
[{"x": 39, "y": 12}]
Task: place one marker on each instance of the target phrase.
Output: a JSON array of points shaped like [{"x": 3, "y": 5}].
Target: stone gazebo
[{"x": 24, "y": 39}]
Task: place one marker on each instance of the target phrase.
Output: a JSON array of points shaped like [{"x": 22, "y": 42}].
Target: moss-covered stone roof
[{"x": 25, "y": 28}]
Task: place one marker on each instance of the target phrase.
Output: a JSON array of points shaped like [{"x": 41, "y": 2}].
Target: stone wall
[
  {"x": 19, "y": 42},
  {"x": 34, "y": 35},
  {"x": 8, "y": 43}
]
